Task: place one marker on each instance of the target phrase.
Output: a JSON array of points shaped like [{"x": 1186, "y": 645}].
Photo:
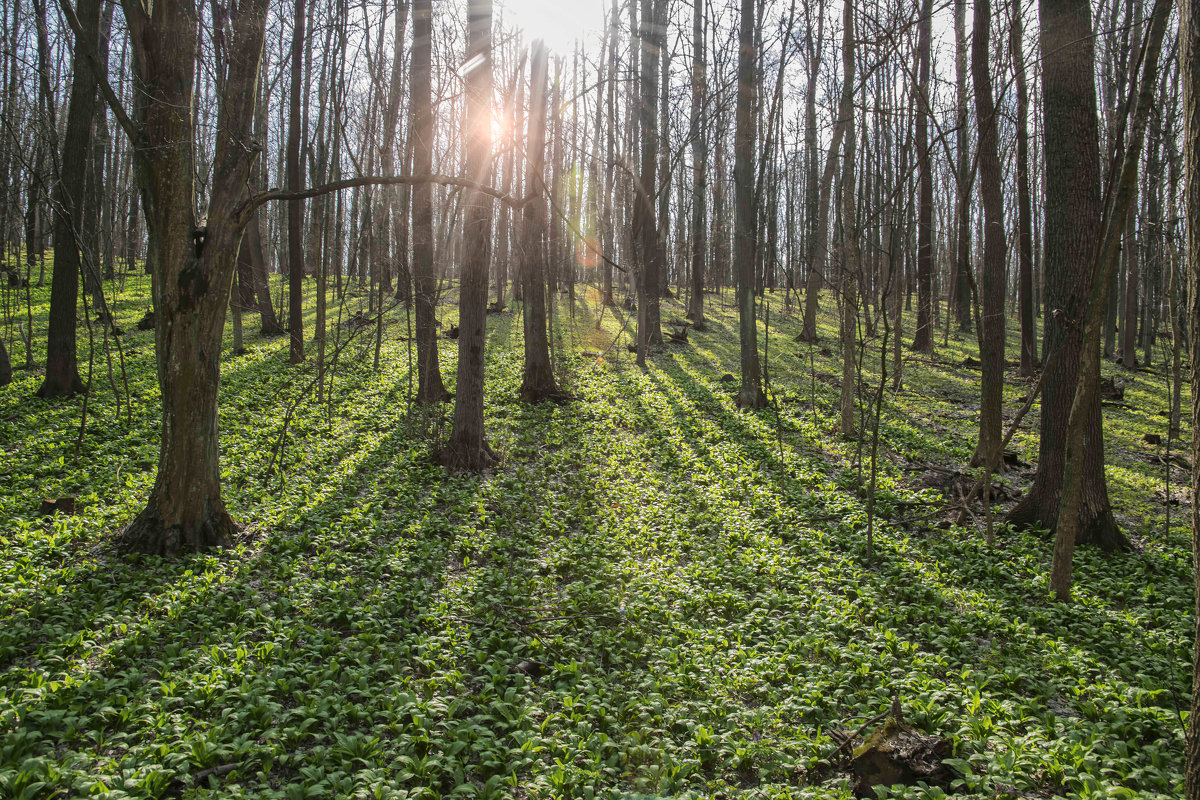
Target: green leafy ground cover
[{"x": 654, "y": 594}]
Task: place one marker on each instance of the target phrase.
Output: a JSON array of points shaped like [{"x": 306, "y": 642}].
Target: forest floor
[{"x": 653, "y": 593}]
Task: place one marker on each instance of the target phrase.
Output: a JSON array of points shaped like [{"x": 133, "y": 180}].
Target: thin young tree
[{"x": 1189, "y": 74}]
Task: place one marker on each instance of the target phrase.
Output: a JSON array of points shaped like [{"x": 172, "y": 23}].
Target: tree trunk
[
  {"x": 699, "y": 165},
  {"x": 1189, "y": 78},
  {"x": 849, "y": 282},
  {"x": 537, "y": 381},
  {"x": 992, "y": 322},
  {"x": 430, "y": 388},
  {"x": 1072, "y": 227},
  {"x": 923, "y": 336},
  {"x": 750, "y": 395},
  {"x": 467, "y": 449},
  {"x": 193, "y": 267},
  {"x": 1029, "y": 350},
  {"x": 62, "y": 371},
  {"x": 295, "y": 208}
]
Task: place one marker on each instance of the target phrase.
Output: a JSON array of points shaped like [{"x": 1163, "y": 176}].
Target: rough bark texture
[
  {"x": 192, "y": 268},
  {"x": 644, "y": 223},
  {"x": 467, "y": 449},
  {"x": 537, "y": 381},
  {"x": 991, "y": 351},
  {"x": 62, "y": 370},
  {"x": 699, "y": 241},
  {"x": 1072, "y": 227},
  {"x": 923, "y": 335},
  {"x": 849, "y": 282},
  {"x": 295, "y": 208},
  {"x": 750, "y": 395},
  {"x": 1029, "y": 348},
  {"x": 430, "y": 388},
  {"x": 1189, "y": 68}
]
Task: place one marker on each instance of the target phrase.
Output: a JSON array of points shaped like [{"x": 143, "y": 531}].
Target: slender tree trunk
[
  {"x": 467, "y": 448},
  {"x": 850, "y": 266},
  {"x": 295, "y": 208},
  {"x": 964, "y": 176},
  {"x": 750, "y": 395},
  {"x": 62, "y": 372},
  {"x": 699, "y": 164},
  {"x": 430, "y": 388},
  {"x": 923, "y": 336},
  {"x": 537, "y": 381},
  {"x": 991, "y": 351},
  {"x": 1029, "y": 349}
]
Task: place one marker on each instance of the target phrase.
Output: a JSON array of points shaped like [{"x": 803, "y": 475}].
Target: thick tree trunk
[
  {"x": 193, "y": 267},
  {"x": 1189, "y": 68},
  {"x": 991, "y": 351},
  {"x": 430, "y": 388},
  {"x": 467, "y": 448},
  {"x": 537, "y": 381},
  {"x": 62, "y": 371},
  {"x": 1072, "y": 228}
]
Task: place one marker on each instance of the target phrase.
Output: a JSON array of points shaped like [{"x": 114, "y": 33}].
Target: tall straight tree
[
  {"x": 537, "y": 382},
  {"x": 467, "y": 448},
  {"x": 295, "y": 206},
  {"x": 963, "y": 174},
  {"x": 699, "y": 164},
  {"x": 1071, "y": 229},
  {"x": 62, "y": 370},
  {"x": 850, "y": 267},
  {"x": 1189, "y": 74},
  {"x": 991, "y": 338},
  {"x": 1118, "y": 200},
  {"x": 1029, "y": 349},
  {"x": 430, "y": 388},
  {"x": 644, "y": 223},
  {"x": 923, "y": 336},
  {"x": 750, "y": 395}
]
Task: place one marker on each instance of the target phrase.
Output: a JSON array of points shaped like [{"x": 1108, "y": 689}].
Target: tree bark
[
  {"x": 923, "y": 335},
  {"x": 1189, "y": 78},
  {"x": 1072, "y": 226},
  {"x": 991, "y": 351},
  {"x": 62, "y": 370},
  {"x": 295, "y": 208},
  {"x": 192, "y": 267},
  {"x": 750, "y": 394},
  {"x": 537, "y": 381},
  {"x": 430, "y": 388},
  {"x": 1025, "y": 299},
  {"x": 467, "y": 449},
  {"x": 699, "y": 165}
]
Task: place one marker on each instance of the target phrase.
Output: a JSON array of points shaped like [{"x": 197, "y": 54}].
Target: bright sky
[{"x": 559, "y": 22}]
